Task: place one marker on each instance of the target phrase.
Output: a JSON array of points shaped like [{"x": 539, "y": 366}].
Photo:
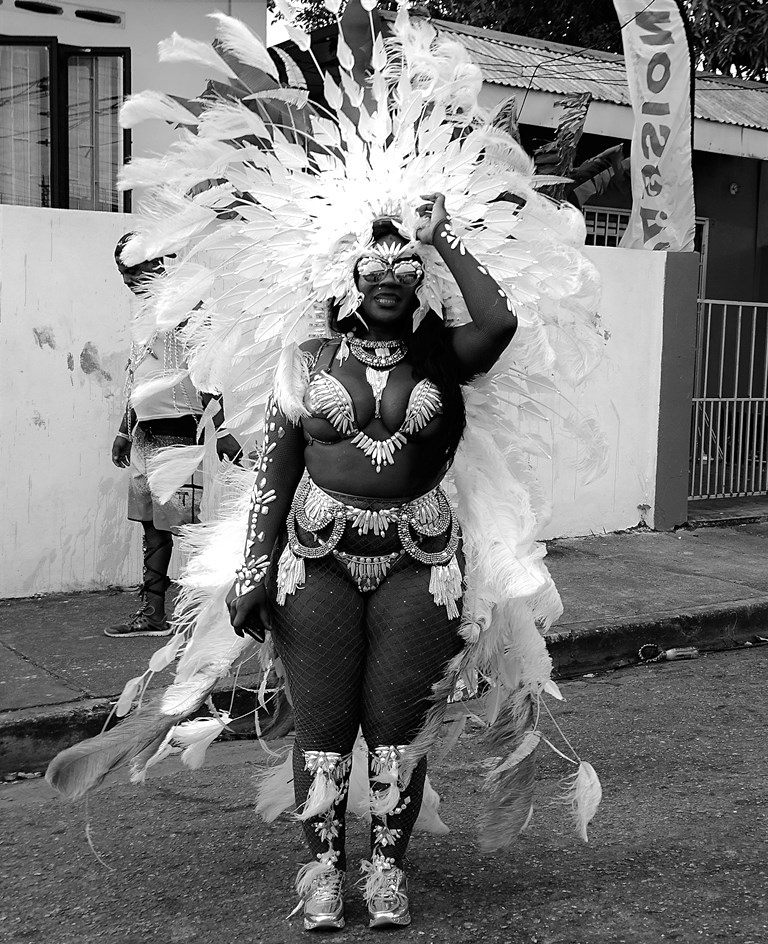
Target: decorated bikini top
[{"x": 327, "y": 398}]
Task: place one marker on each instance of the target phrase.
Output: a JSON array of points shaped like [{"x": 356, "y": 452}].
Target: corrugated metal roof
[{"x": 520, "y": 62}]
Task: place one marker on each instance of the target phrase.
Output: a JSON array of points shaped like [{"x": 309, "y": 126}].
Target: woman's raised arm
[{"x": 480, "y": 344}]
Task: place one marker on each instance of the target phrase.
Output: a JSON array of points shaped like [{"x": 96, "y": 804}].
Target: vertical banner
[{"x": 659, "y": 73}]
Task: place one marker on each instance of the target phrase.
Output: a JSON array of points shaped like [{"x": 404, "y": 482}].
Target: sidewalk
[{"x": 706, "y": 587}]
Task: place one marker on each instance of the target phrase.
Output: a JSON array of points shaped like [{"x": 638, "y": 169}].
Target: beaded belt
[{"x": 429, "y": 515}]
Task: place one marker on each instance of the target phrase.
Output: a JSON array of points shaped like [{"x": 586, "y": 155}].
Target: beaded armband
[
  {"x": 250, "y": 574},
  {"x": 254, "y": 568}
]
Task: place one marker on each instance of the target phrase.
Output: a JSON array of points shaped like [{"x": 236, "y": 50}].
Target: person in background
[{"x": 167, "y": 417}]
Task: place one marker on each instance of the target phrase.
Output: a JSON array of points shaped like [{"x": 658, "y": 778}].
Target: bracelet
[
  {"x": 124, "y": 435},
  {"x": 250, "y": 574}
]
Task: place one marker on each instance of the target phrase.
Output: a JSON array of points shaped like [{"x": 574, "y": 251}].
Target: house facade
[
  {"x": 65, "y": 314},
  {"x": 65, "y": 69},
  {"x": 728, "y": 438}
]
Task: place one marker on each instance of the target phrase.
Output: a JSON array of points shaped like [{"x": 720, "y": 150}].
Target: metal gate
[{"x": 729, "y": 425}]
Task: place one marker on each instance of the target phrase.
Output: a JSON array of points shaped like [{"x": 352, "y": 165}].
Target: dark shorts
[{"x": 184, "y": 506}]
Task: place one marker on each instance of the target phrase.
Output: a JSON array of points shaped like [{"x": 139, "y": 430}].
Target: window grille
[
  {"x": 95, "y": 140},
  {"x": 61, "y": 144},
  {"x": 606, "y": 226},
  {"x": 25, "y": 126}
]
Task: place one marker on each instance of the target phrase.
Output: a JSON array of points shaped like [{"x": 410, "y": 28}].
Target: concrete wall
[
  {"x": 624, "y": 395},
  {"x": 64, "y": 343},
  {"x": 63, "y": 346},
  {"x": 143, "y": 24}
]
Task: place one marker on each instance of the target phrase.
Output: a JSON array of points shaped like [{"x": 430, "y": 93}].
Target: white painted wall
[
  {"x": 63, "y": 347},
  {"x": 143, "y": 24},
  {"x": 623, "y": 393},
  {"x": 64, "y": 344}
]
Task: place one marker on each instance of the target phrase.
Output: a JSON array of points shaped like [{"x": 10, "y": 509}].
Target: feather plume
[
  {"x": 383, "y": 802},
  {"x": 294, "y": 75},
  {"x": 170, "y": 221},
  {"x": 583, "y": 795},
  {"x": 592, "y": 460},
  {"x": 377, "y": 881},
  {"x": 139, "y": 765},
  {"x": 84, "y": 766},
  {"x": 196, "y": 736},
  {"x": 229, "y": 120},
  {"x": 291, "y": 379},
  {"x": 275, "y": 789},
  {"x": 172, "y": 467},
  {"x": 298, "y": 97},
  {"x": 177, "y": 294},
  {"x": 322, "y": 793},
  {"x": 146, "y": 105},
  {"x": 127, "y": 696},
  {"x": 164, "y": 656},
  {"x": 528, "y": 744},
  {"x": 509, "y": 805},
  {"x": 429, "y": 820},
  {"x": 150, "y": 388},
  {"x": 308, "y": 874},
  {"x": 298, "y": 36},
  {"x": 359, "y": 789},
  {"x": 236, "y": 38},
  {"x": 180, "y": 49}
]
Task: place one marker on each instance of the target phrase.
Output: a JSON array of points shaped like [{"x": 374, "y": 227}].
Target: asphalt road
[{"x": 676, "y": 853}]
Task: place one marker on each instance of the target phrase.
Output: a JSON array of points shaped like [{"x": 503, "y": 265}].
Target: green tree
[
  {"x": 729, "y": 36},
  {"x": 732, "y": 37}
]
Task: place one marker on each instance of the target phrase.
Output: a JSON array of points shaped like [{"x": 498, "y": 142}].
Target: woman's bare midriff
[{"x": 342, "y": 467}]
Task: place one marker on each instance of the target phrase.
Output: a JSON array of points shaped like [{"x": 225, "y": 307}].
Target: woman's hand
[
  {"x": 228, "y": 447},
  {"x": 121, "y": 452},
  {"x": 431, "y": 214},
  {"x": 249, "y": 613}
]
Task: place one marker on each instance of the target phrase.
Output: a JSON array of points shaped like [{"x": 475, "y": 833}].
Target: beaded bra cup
[{"x": 328, "y": 398}]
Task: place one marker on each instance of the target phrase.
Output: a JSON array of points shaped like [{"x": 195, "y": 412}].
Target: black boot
[{"x": 149, "y": 619}]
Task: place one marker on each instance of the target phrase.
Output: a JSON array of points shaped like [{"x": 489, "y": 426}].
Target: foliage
[
  {"x": 729, "y": 36},
  {"x": 732, "y": 37}
]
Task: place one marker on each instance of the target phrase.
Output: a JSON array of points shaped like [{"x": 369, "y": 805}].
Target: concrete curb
[
  {"x": 597, "y": 647},
  {"x": 30, "y": 737},
  {"x": 727, "y": 521}
]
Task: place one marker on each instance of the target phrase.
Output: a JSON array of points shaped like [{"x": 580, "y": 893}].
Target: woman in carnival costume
[{"x": 390, "y": 571}]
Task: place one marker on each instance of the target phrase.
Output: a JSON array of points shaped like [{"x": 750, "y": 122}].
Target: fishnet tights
[{"x": 361, "y": 660}]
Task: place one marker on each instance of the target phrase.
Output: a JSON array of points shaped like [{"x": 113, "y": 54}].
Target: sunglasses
[{"x": 406, "y": 271}]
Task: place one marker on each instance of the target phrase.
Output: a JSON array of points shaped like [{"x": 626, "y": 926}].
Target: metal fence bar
[
  {"x": 735, "y": 441},
  {"x": 749, "y": 452},
  {"x": 706, "y": 414},
  {"x": 729, "y": 453},
  {"x": 721, "y": 407},
  {"x": 763, "y": 483}
]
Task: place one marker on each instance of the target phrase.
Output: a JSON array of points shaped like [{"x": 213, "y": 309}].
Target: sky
[{"x": 275, "y": 31}]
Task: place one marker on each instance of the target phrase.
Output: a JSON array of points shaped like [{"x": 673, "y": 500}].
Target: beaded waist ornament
[{"x": 428, "y": 516}]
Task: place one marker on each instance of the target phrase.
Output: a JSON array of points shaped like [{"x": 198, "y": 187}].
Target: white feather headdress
[{"x": 268, "y": 200}]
